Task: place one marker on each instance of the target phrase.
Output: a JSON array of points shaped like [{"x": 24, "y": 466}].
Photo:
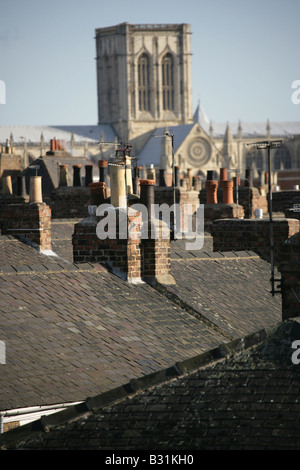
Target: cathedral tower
[{"x": 144, "y": 78}]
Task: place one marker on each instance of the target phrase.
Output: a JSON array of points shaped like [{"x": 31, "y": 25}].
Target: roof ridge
[{"x": 134, "y": 386}]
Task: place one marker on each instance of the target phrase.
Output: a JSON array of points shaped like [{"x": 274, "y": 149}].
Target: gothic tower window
[
  {"x": 282, "y": 159},
  {"x": 254, "y": 157},
  {"x": 143, "y": 83},
  {"x": 168, "y": 82}
]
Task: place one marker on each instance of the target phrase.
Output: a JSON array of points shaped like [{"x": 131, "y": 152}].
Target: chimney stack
[
  {"x": 147, "y": 196},
  {"x": 249, "y": 178},
  {"x": 227, "y": 187},
  {"x": 176, "y": 176},
  {"x": 97, "y": 193},
  {"x": 21, "y": 186},
  {"x": 88, "y": 174},
  {"x": 151, "y": 173},
  {"x": 76, "y": 175},
  {"x": 63, "y": 175},
  {"x": 162, "y": 178},
  {"x": 6, "y": 185},
  {"x": 211, "y": 194},
  {"x": 117, "y": 184},
  {"x": 102, "y": 170}
]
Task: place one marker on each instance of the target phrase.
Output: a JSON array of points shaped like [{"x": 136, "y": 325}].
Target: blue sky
[{"x": 245, "y": 56}]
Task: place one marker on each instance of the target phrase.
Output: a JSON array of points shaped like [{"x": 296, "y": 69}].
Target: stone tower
[{"x": 144, "y": 78}]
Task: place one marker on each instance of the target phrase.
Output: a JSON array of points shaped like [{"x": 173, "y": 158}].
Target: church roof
[
  {"x": 248, "y": 129},
  {"x": 32, "y": 134},
  {"x": 257, "y": 129},
  {"x": 152, "y": 150}
]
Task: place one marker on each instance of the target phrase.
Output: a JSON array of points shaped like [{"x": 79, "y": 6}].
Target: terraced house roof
[{"x": 78, "y": 331}]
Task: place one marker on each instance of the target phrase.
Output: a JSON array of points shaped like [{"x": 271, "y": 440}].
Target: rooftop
[
  {"x": 76, "y": 331},
  {"x": 240, "y": 396}
]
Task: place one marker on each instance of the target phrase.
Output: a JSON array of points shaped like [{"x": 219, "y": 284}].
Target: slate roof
[
  {"x": 83, "y": 330},
  {"x": 248, "y": 129},
  {"x": 49, "y": 170},
  {"x": 150, "y": 153},
  {"x": 73, "y": 332},
  {"x": 258, "y": 129},
  {"x": 242, "y": 396}
]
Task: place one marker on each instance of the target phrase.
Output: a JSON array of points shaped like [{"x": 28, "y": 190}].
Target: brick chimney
[{"x": 120, "y": 246}]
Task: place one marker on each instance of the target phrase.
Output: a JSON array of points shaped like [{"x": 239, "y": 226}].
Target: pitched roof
[
  {"x": 248, "y": 129},
  {"x": 150, "y": 153},
  {"x": 240, "y": 396},
  {"x": 77, "y": 331},
  {"x": 257, "y": 129},
  {"x": 49, "y": 169}
]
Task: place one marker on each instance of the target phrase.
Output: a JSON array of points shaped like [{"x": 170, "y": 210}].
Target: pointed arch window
[
  {"x": 143, "y": 83},
  {"x": 282, "y": 159},
  {"x": 168, "y": 82}
]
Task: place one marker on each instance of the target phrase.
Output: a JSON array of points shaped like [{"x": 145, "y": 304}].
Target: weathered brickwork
[
  {"x": 290, "y": 277},
  {"x": 31, "y": 221},
  {"x": 133, "y": 256},
  {"x": 251, "y": 199},
  {"x": 283, "y": 200},
  {"x": 252, "y": 234},
  {"x": 156, "y": 252},
  {"x": 221, "y": 211},
  {"x": 165, "y": 195}
]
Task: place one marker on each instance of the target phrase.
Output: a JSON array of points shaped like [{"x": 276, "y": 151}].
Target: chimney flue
[
  {"x": 88, "y": 174},
  {"x": 76, "y": 175},
  {"x": 63, "y": 175},
  {"x": 151, "y": 173},
  {"x": 35, "y": 194},
  {"x": 162, "y": 178},
  {"x": 117, "y": 185},
  {"x": 6, "y": 185},
  {"x": 147, "y": 195},
  {"x": 211, "y": 188},
  {"x": 21, "y": 186},
  {"x": 102, "y": 170}
]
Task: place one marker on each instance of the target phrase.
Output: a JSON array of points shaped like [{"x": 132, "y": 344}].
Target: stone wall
[{"x": 253, "y": 234}]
